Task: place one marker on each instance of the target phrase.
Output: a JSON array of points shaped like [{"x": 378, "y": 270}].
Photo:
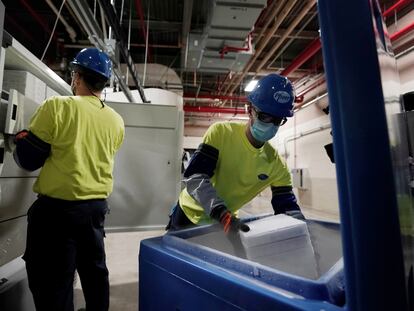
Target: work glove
[
  {"x": 229, "y": 222},
  {"x": 295, "y": 214}
]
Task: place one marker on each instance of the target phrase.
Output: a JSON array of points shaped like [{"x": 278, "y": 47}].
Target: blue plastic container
[{"x": 185, "y": 271}]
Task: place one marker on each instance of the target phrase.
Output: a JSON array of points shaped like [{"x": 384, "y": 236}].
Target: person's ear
[
  {"x": 76, "y": 78},
  {"x": 249, "y": 109}
]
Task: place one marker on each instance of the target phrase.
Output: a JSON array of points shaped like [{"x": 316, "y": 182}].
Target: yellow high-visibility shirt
[
  {"x": 84, "y": 138},
  {"x": 242, "y": 171}
]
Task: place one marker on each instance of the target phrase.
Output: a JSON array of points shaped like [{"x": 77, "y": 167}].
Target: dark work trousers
[
  {"x": 64, "y": 236},
  {"x": 178, "y": 220}
]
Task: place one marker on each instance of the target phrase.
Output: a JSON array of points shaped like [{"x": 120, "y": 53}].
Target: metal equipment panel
[
  {"x": 12, "y": 245},
  {"x": 151, "y": 116},
  {"x": 147, "y": 167},
  {"x": 14, "y": 288},
  {"x": 2, "y": 9},
  {"x": 228, "y": 15},
  {"x": 16, "y": 197}
]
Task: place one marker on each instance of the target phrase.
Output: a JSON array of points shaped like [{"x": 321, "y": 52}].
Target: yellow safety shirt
[
  {"x": 242, "y": 171},
  {"x": 84, "y": 138}
]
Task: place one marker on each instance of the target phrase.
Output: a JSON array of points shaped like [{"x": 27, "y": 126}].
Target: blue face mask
[{"x": 262, "y": 131}]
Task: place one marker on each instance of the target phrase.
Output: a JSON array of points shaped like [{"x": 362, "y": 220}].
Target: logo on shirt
[
  {"x": 262, "y": 176},
  {"x": 281, "y": 97}
]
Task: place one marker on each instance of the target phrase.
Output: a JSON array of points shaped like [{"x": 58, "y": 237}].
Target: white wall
[
  {"x": 302, "y": 146},
  {"x": 191, "y": 142}
]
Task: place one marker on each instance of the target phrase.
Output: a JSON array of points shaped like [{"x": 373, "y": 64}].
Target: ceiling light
[{"x": 250, "y": 86}]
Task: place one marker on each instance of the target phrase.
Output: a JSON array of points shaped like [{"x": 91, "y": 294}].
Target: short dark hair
[{"x": 94, "y": 81}]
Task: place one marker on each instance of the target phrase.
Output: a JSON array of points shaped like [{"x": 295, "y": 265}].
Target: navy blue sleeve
[
  {"x": 203, "y": 161},
  {"x": 284, "y": 200},
  {"x": 31, "y": 152}
]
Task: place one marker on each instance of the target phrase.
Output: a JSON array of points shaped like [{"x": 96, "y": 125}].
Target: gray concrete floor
[{"x": 122, "y": 251}]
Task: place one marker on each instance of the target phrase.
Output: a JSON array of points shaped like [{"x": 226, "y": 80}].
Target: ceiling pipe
[
  {"x": 10, "y": 20},
  {"x": 402, "y": 32},
  {"x": 213, "y": 97},
  {"x": 230, "y": 89},
  {"x": 291, "y": 28},
  {"x": 103, "y": 23},
  {"x": 208, "y": 109},
  {"x": 311, "y": 87},
  {"x": 228, "y": 48},
  {"x": 322, "y": 81},
  {"x": 140, "y": 12},
  {"x": 186, "y": 27},
  {"x": 309, "y": 51},
  {"x": 278, "y": 18},
  {"x": 69, "y": 29},
  {"x": 292, "y": 39},
  {"x": 75, "y": 18},
  {"x": 315, "y": 45},
  {"x": 396, "y": 7},
  {"x": 192, "y": 117},
  {"x": 36, "y": 16},
  {"x": 274, "y": 9},
  {"x": 276, "y": 15},
  {"x": 264, "y": 14}
]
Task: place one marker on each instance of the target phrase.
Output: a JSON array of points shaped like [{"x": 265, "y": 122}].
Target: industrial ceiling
[{"x": 215, "y": 47}]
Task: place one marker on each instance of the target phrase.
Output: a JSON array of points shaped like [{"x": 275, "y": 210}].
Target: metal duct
[{"x": 224, "y": 44}]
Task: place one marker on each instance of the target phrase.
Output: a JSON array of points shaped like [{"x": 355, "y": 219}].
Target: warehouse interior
[{"x": 180, "y": 66}]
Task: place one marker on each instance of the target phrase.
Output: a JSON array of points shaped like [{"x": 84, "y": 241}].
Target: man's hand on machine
[
  {"x": 229, "y": 222},
  {"x": 11, "y": 139}
]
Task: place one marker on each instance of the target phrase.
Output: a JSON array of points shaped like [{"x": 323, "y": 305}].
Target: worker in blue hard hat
[
  {"x": 235, "y": 162},
  {"x": 73, "y": 139}
]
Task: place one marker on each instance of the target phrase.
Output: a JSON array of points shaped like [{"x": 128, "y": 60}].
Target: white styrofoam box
[
  {"x": 271, "y": 229},
  {"x": 25, "y": 83},
  {"x": 301, "y": 262},
  {"x": 280, "y": 247},
  {"x": 281, "y": 242}
]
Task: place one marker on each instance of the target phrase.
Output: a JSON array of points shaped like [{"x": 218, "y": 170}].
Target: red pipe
[
  {"x": 396, "y": 7},
  {"x": 313, "y": 86},
  {"x": 393, "y": 37},
  {"x": 309, "y": 51},
  {"x": 22, "y": 30},
  {"x": 227, "y": 48},
  {"x": 39, "y": 19},
  {"x": 400, "y": 33},
  {"x": 315, "y": 45},
  {"x": 220, "y": 97},
  {"x": 222, "y": 82},
  {"x": 208, "y": 109},
  {"x": 140, "y": 13}
]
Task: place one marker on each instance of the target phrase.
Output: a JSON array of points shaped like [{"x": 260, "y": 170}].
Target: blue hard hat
[
  {"x": 274, "y": 95},
  {"x": 95, "y": 60}
]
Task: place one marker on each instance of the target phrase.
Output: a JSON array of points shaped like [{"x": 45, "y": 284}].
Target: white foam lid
[{"x": 272, "y": 229}]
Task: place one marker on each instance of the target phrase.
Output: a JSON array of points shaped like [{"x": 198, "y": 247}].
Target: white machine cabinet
[{"x": 147, "y": 167}]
